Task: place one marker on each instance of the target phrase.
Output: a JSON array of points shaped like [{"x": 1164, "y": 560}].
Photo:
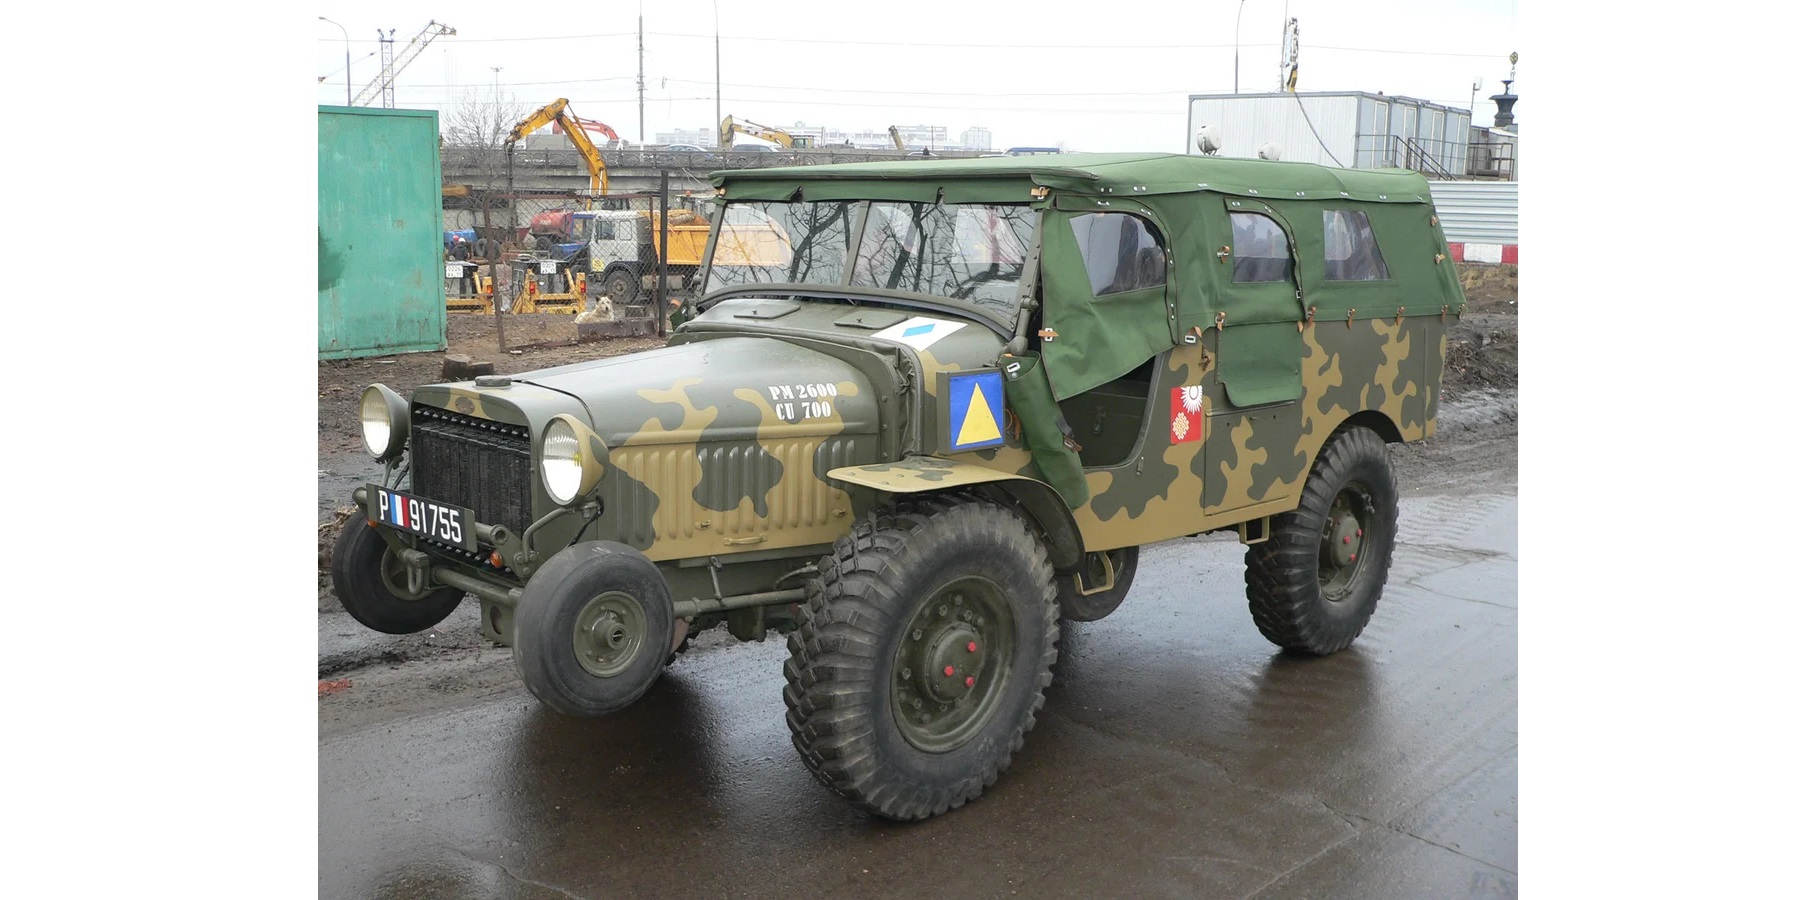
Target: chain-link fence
[{"x": 627, "y": 258}]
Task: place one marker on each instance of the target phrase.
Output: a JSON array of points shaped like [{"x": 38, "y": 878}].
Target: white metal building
[{"x": 1351, "y": 129}]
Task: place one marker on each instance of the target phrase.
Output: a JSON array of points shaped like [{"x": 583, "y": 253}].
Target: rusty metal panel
[
  {"x": 1478, "y": 211},
  {"x": 378, "y": 223}
]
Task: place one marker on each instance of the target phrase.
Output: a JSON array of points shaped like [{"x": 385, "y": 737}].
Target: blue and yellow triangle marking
[{"x": 975, "y": 410}]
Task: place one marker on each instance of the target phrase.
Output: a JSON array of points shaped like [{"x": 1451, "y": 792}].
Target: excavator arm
[
  {"x": 556, "y": 113},
  {"x": 729, "y": 126}
]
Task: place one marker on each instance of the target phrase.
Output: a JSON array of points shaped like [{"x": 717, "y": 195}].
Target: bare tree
[{"x": 473, "y": 135}]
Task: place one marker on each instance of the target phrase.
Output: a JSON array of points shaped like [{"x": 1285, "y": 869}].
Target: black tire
[
  {"x": 849, "y": 704},
  {"x": 594, "y": 628},
  {"x": 370, "y": 583},
  {"x": 620, "y": 287},
  {"x": 1314, "y": 583},
  {"x": 1077, "y": 607}
]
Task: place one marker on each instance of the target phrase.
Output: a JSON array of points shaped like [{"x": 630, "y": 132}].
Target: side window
[
  {"x": 603, "y": 228},
  {"x": 1350, "y": 252},
  {"x": 1260, "y": 249},
  {"x": 1122, "y": 252}
]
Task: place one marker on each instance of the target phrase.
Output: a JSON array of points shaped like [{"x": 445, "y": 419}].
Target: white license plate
[
  {"x": 454, "y": 270},
  {"x": 548, "y": 267},
  {"x": 436, "y": 521}
]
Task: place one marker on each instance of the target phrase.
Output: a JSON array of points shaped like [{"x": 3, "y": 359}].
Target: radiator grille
[{"x": 482, "y": 465}]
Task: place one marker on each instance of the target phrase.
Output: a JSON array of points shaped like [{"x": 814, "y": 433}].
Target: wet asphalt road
[{"x": 1178, "y": 755}]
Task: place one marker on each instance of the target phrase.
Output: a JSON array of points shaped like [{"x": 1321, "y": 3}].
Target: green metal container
[{"x": 379, "y": 254}]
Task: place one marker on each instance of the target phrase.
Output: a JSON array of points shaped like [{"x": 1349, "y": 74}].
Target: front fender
[{"x": 1035, "y": 498}]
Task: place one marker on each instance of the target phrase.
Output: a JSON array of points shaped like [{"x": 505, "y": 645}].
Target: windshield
[
  {"x": 972, "y": 253},
  {"x": 782, "y": 243}
]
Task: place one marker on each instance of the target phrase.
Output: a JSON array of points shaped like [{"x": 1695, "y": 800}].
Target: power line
[
  {"x": 1119, "y": 110},
  {"x": 961, "y": 46}
]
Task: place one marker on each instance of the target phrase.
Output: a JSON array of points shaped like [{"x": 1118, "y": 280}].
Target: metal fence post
[{"x": 662, "y": 260}]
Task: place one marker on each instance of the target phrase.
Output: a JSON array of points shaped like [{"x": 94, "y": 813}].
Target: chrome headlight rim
[
  {"x": 384, "y": 420},
  {"x": 570, "y": 460}
]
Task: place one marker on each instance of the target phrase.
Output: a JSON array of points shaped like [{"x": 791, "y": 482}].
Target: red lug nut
[
  {"x": 1352, "y": 557},
  {"x": 969, "y": 681},
  {"x": 948, "y": 671},
  {"x": 971, "y": 647}
]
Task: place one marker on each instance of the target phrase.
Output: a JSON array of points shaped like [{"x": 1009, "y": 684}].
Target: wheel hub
[
  {"x": 1341, "y": 550},
  {"x": 1343, "y": 546},
  {"x": 948, "y": 665},
  {"x": 608, "y": 634},
  {"x": 951, "y": 663}
]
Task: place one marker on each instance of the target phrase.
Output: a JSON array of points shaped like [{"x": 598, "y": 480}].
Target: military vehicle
[{"x": 929, "y": 411}]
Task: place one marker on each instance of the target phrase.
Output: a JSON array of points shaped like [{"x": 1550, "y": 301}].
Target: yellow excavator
[
  {"x": 895, "y": 134},
  {"x": 730, "y": 126},
  {"x": 573, "y": 127}
]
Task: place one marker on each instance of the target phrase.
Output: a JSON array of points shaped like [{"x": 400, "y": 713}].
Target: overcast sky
[{"x": 1103, "y": 77}]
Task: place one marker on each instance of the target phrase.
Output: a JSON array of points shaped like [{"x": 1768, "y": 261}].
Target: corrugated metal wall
[
  {"x": 1478, "y": 211},
  {"x": 1248, "y": 121},
  {"x": 378, "y": 224}
]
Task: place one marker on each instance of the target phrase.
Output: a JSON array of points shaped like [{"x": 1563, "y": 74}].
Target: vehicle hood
[{"x": 744, "y": 388}]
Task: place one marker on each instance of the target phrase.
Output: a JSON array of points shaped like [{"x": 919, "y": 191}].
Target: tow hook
[{"x": 416, "y": 569}]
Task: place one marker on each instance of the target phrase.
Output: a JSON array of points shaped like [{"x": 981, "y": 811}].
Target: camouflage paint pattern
[
  {"x": 705, "y": 462},
  {"x": 1250, "y": 462},
  {"x": 737, "y": 438}
]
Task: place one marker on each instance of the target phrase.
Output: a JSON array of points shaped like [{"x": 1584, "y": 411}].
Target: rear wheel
[
  {"x": 1313, "y": 585},
  {"x": 929, "y": 640}
]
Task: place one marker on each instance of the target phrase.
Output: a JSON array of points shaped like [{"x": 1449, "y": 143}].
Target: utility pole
[
  {"x": 386, "y": 92},
  {"x": 639, "y": 73},
  {"x": 716, "y": 111}
]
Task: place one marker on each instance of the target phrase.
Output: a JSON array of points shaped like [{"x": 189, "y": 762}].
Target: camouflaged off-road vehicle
[{"x": 921, "y": 412}]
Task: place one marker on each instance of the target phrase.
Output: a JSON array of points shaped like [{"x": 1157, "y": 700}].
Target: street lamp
[
  {"x": 1237, "y": 46},
  {"x": 348, "y": 47}
]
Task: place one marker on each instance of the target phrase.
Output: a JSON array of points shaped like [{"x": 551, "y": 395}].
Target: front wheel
[
  {"x": 1313, "y": 584},
  {"x": 594, "y": 628},
  {"x": 372, "y": 584},
  {"x": 620, "y": 287},
  {"x": 928, "y": 643}
]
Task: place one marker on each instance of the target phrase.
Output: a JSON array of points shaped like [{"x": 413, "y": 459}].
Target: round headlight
[
  {"x": 384, "y": 421},
  {"x": 562, "y": 467},
  {"x": 572, "y": 459}
]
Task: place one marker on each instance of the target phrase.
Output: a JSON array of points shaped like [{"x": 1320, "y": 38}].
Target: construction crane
[
  {"x": 557, "y": 113},
  {"x": 387, "y": 74},
  {"x": 729, "y": 126}
]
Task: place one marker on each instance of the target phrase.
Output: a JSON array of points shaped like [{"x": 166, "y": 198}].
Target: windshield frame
[{"x": 1003, "y": 321}]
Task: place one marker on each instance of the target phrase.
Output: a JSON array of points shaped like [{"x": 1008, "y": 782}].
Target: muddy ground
[{"x": 1476, "y": 444}]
